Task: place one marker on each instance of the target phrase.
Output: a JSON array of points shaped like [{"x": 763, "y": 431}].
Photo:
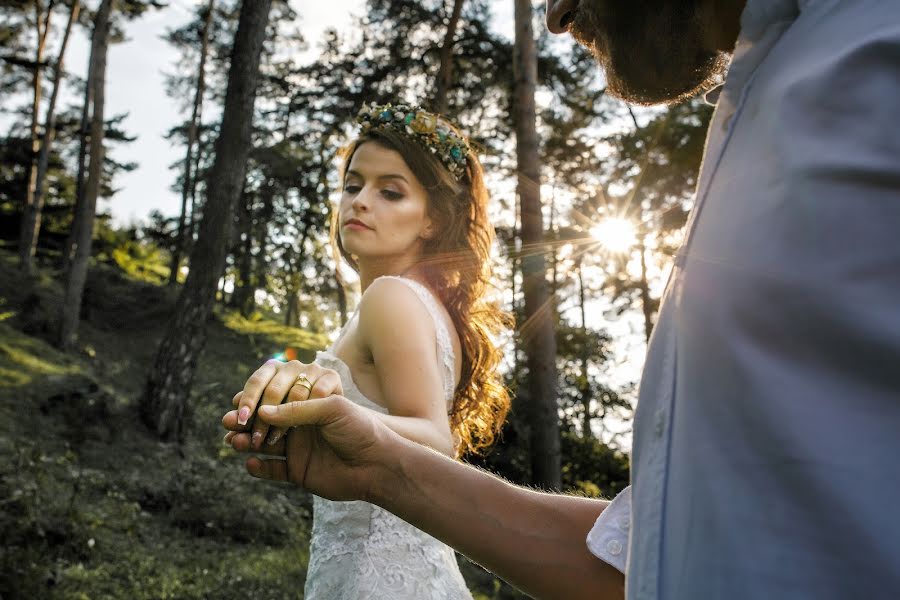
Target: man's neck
[{"x": 724, "y": 23}]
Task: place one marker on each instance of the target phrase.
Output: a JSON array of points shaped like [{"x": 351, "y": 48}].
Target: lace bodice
[{"x": 359, "y": 550}]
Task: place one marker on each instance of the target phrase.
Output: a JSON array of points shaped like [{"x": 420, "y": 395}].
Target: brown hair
[{"x": 456, "y": 266}]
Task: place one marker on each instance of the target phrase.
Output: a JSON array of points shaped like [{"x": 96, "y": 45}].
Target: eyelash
[{"x": 388, "y": 194}]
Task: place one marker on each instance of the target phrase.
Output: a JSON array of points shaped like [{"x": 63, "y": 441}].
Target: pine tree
[
  {"x": 163, "y": 405},
  {"x": 83, "y": 224},
  {"x": 539, "y": 341}
]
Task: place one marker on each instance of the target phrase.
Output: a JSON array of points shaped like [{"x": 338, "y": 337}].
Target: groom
[{"x": 768, "y": 423}]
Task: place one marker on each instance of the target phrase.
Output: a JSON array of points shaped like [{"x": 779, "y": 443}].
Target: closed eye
[
  {"x": 352, "y": 188},
  {"x": 391, "y": 194}
]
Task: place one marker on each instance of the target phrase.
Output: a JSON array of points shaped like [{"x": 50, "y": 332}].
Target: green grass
[{"x": 91, "y": 504}]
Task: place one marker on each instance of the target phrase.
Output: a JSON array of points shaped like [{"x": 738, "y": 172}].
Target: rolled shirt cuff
[{"x": 608, "y": 538}]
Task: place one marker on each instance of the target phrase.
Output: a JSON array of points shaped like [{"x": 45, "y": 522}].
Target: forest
[{"x": 122, "y": 343}]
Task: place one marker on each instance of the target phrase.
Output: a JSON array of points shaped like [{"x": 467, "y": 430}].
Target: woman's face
[{"x": 384, "y": 208}]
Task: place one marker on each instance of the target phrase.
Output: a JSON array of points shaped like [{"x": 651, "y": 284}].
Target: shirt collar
[
  {"x": 757, "y": 18},
  {"x": 760, "y": 14}
]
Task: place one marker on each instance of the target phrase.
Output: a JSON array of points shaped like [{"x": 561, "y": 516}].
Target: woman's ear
[{"x": 428, "y": 230}]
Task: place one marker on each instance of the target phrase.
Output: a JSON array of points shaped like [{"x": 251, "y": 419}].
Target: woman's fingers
[
  {"x": 290, "y": 376},
  {"x": 254, "y": 389},
  {"x": 327, "y": 384},
  {"x": 272, "y": 384}
]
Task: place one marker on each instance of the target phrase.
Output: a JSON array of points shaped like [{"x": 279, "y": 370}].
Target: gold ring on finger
[{"x": 303, "y": 381}]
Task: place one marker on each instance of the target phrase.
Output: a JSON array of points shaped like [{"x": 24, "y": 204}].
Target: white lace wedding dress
[{"x": 361, "y": 551}]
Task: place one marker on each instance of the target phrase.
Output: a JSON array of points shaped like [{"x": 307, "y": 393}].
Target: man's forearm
[{"x": 533, "y": 540}]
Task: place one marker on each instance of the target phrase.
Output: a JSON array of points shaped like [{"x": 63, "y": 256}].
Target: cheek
[
  {"x": 407, "y": 220},
  {"x": 345, "y": 202}
]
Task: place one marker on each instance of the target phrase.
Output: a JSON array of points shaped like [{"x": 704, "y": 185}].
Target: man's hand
[{"x": 333, "y": 448}]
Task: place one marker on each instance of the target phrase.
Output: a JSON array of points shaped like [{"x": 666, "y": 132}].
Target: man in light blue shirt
[
  {"x": 769, "y": 414},
  {"x": 768, "y": 424}
]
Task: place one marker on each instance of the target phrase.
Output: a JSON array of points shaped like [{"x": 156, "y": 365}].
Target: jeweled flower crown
[{"x": 430, "y": 129}]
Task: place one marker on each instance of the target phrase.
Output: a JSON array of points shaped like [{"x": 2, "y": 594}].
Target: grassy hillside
[{"x": 92, "y": 505}]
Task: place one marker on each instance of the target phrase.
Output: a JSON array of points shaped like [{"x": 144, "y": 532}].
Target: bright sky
[{"x": 135, "y": 85}]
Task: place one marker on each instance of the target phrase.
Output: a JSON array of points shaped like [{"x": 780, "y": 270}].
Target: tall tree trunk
[
  {"x": 554, "y": 258},
  {"x": 32, "y": 218},
  {"x": 260, "y": 262},
  {"x": 194, "y": 219},
  {"x": 26, "y": 243},
  {"x": 83, "y": 224},
  {"x": 445, "y": 73},
  {"x": 187, "y": 186},
  {"x": 539, "y": 342},
  {"x": 291, "y": 315},
  {"x": 84, "y": 132},
  {"x": 243, "y": 286},
  {"x": 169, "y": 384},
  {"x": 585, "y": 388},
  {"x": 516, "y": 267},
  {"x": 295, "y": 279},
  {"x": 645, "y": 286}
]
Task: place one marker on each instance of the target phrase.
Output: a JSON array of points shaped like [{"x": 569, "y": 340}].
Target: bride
[{"x": 413, "y": 223}]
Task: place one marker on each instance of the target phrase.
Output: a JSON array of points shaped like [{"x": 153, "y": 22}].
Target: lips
[{"x": 356, "y": 224}]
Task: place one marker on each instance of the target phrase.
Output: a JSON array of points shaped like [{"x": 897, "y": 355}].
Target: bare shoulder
[{"x": 389, "y": 306}]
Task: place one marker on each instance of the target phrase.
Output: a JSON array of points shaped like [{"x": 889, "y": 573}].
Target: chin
[{"x": 653, "y": 52}]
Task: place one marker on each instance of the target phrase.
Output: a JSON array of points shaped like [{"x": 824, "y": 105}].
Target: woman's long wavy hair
[{"x": 457, "y": 267}]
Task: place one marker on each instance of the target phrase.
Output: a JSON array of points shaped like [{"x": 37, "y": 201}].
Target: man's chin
[
  {"x": 656, "y": 82},
  {"x": 662, "y": 90},
  {"x": 650, "y": 64}
]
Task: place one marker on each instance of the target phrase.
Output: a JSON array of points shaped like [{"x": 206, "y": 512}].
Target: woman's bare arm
[{"x": 399, "y": 333}]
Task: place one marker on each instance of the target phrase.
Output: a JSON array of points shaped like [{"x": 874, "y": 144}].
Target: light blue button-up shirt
[{"x": 767, "y": 434}]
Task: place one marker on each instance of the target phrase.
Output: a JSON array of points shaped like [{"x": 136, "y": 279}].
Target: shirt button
[
  {"x": 614, "y": 547},
  {"x": 625, "y": 522}
]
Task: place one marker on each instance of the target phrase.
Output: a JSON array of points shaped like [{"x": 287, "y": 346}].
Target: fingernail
[
  {"x": 226, "y": 440},
  {"x": 256, "y": 441},
  {"x": 273, "y": 439},
  {"x": 243, "y": 416}
]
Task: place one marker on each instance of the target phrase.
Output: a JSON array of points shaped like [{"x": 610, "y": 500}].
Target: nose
[
  {"x": 361, "y": 200},
  {"x": 560, "y": 14}
]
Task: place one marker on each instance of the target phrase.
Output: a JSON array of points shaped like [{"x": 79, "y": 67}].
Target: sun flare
[{"x": 615, "y": 234}]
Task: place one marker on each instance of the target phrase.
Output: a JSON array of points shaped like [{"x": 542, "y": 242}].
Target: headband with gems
[{"x": 427, "y": 127}]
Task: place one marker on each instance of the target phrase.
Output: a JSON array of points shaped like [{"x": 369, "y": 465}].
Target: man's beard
[{"x": 653, "y": 51}]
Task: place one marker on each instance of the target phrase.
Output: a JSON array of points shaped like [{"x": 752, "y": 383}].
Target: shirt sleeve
[{"x": 608, "y": 539}]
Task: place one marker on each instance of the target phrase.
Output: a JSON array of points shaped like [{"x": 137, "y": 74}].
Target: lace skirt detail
[{"x": 360, "y": 551}]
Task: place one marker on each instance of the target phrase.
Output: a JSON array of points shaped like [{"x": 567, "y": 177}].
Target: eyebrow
[{"x": 385, "y": 176}]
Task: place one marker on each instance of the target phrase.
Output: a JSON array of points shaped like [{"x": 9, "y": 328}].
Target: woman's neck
[{"x": 371, "y": 270}]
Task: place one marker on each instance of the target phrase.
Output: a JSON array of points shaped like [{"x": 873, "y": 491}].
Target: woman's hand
[{"x": 276, "y": 382}]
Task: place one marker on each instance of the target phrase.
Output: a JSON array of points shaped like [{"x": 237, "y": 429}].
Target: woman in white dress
[{"x": 418, "y": 351}]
